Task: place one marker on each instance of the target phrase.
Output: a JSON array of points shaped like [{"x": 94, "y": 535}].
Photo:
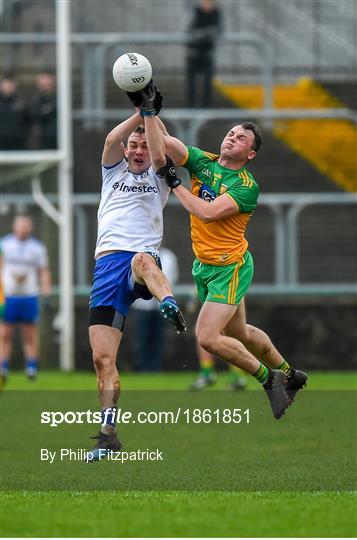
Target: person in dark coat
[
  {"x": 14, "y": 120},
  {"x": 44, "y": 112},
  {"x": 203, "y": 32}
]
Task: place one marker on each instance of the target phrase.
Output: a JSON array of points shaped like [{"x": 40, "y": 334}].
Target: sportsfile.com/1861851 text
[{"x": 186, "y": 416}]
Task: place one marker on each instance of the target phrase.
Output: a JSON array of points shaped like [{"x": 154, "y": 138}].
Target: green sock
[
  {"x": 284, "y": 367},
  {"x": 207, "y": 371},
  {"x": 262, "y": 374}
]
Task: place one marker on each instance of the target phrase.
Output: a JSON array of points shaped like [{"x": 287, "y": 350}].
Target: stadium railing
[
  {"x": 188, "y": 122},
  {"x": 95, "y": 48},
  {"x": 285, "y": 207}
]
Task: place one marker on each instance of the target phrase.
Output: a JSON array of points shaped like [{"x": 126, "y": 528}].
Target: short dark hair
[
  {"x": 140, "y": 130},
  {"x": 252, "y": 126}
]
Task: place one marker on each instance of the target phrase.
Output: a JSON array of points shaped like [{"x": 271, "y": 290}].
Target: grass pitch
[{"x": 288, "y": 504}]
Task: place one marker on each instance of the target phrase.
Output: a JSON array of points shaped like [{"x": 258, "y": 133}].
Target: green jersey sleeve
[
  {"x": 193, "y": 157},
  {"x": 197, "y": 157},
  {"x": 246, "y": 197}
]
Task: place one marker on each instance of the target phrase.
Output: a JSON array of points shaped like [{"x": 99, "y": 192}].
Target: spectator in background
[
  {"x": 149, "y": 333},
  {"x": 44, "y": 112},
  {"x": 14, "y": 118},
  {"x": 202, "y": 35},
  {"x": 24, "y": 273}
]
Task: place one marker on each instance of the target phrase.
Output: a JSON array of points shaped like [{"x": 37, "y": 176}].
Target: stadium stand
[
  {"x": 315, "y": 140},
  {"x": 304, "y": 42}
]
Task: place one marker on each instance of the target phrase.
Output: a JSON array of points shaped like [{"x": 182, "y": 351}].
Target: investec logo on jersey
[{"x": 134, "y": 189}]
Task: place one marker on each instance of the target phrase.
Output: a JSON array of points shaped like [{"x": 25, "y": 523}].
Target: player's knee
[
  {"x": 6, "y": 334},
  {"x": 142, "y": 263},
  {"x": 207, "y": 341},
  {"x": 103, "y": 362}
]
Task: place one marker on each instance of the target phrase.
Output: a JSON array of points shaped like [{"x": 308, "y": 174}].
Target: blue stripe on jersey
[{"x": 111, "y": 166}]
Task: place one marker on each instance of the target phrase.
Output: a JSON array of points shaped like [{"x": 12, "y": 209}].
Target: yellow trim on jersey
[
  {"x": 211, "y": 156},
  {"x": 232, "y": 199},
  {"x": 233, "y": 285},
  {"x": 247, "y": 181},
  {"x": 196, "y": 180},
  {"x": 184, "y": 161}
]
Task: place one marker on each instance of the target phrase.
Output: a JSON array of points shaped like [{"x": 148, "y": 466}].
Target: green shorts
[{"x": 223, "y": 284}]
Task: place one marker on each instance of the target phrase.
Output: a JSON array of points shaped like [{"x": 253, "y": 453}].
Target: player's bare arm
[
  {"x": 113, "y": 150},
  {"x": 222, "y": 207},
  {"x": 162, "y": 126},
  {"x": 154, "y": 136},
  {"x": 175, "y": 149},
  {"x": 155, "y": 143},
  {"x": 45, "y": 281}
]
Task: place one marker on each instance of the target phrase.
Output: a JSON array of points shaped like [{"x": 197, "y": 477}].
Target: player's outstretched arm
[
  {"x": 155, "y": 143},
  {"x": 113, "y": 150},
  {"x": 175, "y": 149},
  {"x": 154, "y": 136},
  {"x": 221, "y": 208},
  {"x": 162, "y": 126}
]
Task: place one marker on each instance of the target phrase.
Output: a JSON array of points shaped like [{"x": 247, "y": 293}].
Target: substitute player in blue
[
  {"x": 25, "y": 275},
  {"x": 130, "y": 230}
]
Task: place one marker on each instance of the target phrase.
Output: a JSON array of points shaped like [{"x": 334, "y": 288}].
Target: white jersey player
[
  {"x": 25, "y": 275},
  {"x": 130, "y": 229}
]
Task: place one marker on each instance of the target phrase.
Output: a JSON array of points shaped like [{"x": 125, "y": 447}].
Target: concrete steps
[{"x": 329, "y": 145}]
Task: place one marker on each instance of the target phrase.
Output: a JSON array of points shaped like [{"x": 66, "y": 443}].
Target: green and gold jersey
[{"x": 220, "y": 242}]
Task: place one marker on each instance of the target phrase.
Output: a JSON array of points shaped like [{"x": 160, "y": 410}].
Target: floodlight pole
[{"x": 65, "y": 187}]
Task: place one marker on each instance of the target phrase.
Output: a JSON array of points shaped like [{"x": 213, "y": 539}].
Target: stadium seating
[
  {"x": 316, "y": 140},
  {"x": 301, "y": 43}
]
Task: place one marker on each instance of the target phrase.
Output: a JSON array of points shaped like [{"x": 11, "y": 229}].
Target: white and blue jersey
[
  {"x": 22, "y": 260},
  {"x": 130, "y": 210},
  {"x": 130, "y": 221}
]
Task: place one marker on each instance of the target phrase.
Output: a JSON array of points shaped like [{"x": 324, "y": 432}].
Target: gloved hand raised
[
  {"x": 151, "y": 100},
  {"x": 168, "y": 173},
  {"x": 136, "y": 98}
]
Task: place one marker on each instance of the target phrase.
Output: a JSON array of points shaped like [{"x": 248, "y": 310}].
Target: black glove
[
  {"x": 158, "y": 101},
  {"x": 136, "y": 98},
  {"x": 168, "y": 173},
  {"x": 151, "y": 100}
]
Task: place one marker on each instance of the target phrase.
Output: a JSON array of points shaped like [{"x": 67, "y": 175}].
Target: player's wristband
[
  {"x": 148, "y": 112},
  {"x": 168, "y": 173},
  {"x": 174, "y": 183}
]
